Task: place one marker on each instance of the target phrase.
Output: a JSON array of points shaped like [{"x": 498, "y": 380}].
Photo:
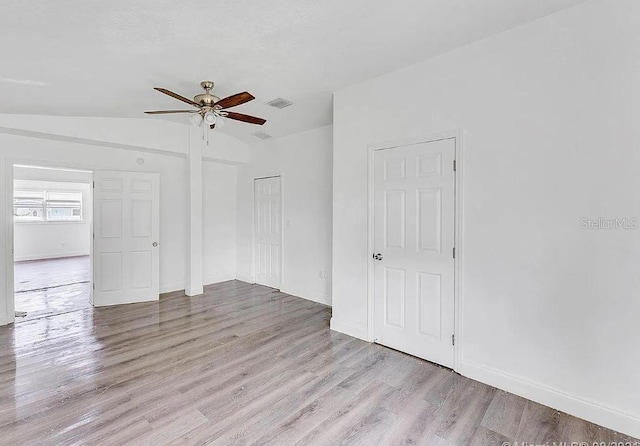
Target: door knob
[
  {"x": 155, "y": 244},
  {"x": 377, "y": 256}
]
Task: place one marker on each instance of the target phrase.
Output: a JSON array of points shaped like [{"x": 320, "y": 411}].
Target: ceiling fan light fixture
[
  {"x": 196, "y": 120},
  {"x": 210, "y": 118}
]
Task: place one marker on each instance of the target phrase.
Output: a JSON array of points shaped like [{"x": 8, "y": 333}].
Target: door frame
[
  {"x": 10, "y": 303},
  {"x": 253, "y": 226},
  {"x": 457, "y": 136}
]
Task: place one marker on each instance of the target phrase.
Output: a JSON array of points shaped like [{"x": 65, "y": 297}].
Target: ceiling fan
[{"x": 211, "y": 107}]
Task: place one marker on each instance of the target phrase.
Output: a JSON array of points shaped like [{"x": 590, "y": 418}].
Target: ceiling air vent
[
  {"x": 261, "y": 135},
  {"x": 280, "y": 103}
]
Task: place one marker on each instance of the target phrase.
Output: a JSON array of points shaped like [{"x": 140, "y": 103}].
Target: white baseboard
[
  {"x": 218, "y": 278},
  {"x": 123, "y": 301},
  {"x": 180, "y": 286},
  {"x": 348, "y": 329},
  {"x": 319, "y": 298},
  {"x": 602, "y": 415},
  {"x": 171, "y": 287},
  {"x": 243, "y": 278},
  {"x": 193, "y": 291},
  {"x": 26, "y": 258},
  {"x": 214, "y": 282},
  {"x": 4, "y": 320}
]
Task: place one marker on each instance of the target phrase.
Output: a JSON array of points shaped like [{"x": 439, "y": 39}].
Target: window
[
  {"x": 64, "y": 206},
  {"x": 41, "y": 205},
  {"x": 28, "y": 205}
]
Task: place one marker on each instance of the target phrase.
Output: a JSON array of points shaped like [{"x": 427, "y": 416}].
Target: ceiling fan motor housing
[{"x": 206, "y": 99}]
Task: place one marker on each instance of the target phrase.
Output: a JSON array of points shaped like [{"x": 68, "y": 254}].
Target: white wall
[
  {"x": 120, "y": 144},
  {"x": 154, "y": 134},
  {"x": 173, "y": 184},
  {"x": 551, "y": 122},
  {"x": 219, "y": 222},
  {"x": 304, "y": 160},
  {"x": 48, "y": 240},
  {"x": 56, "y": 175}
]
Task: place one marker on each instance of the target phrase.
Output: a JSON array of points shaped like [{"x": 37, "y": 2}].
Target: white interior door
[
  {"x": 413, "y": 243},
  {"x": 268, "y": 231},
  {"x": 126, "y": 232}
]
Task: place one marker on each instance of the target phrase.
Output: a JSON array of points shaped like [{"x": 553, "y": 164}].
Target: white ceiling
[{"x": 102, "y": 58}]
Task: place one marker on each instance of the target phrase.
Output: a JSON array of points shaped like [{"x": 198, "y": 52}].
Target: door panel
[
  {"x": 394, "y": 297},
  {"x": 268, "y": 231},
  {"x": 429, "y": 219},
  {"x": 110, "y": 272},
  {"x": 395, "y": 224},
  {"x": 110, "y": 218},
  {"x": 126, "y": 232},
  {"x": 414, "y": 202},
  {"x": 142, "y": 218},
  {"x": 141, "y": 264},
  {"x": 429, "y": 303},
  {"x": 429, "y": 165}
]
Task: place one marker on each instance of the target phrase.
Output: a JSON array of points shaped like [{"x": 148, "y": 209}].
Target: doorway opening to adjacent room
[
  {"x": 414, "y": 247},
  {"x": 268, "y": 231},
  {"x": 80, "y": 239},
  {"x": 52, "y": 227}
]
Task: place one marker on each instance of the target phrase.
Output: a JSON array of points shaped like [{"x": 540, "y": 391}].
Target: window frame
[{"x": 45, "y": 193}]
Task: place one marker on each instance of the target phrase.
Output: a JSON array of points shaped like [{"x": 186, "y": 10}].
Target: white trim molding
[
  {"x": 320, "y": 298},
  {"x": 171, "y": 287},
  {"x": 10, "y": 303},
  {"x": 246, "y": 279},
  {"x": 45, "y": 256},
  {"x": 348, "y": 329},
  {"x": 594, "y": 412},
  {"x": 212, "y": 279}
]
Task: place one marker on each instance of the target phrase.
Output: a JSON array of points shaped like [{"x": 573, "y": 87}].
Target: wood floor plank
[
  {"x": 504, "y": 414},
  {"x": 463, "y": 411},
  {"x": 345, "y": 425},
  {"x": 539, "y": 424},
  {"x": 303, "y": 420},
  {"x": 417, "y": 423},
  {"x": 243, "y": 365},
  {"x": 263, "y": 423},
  {"x": 486, "y": 437}
]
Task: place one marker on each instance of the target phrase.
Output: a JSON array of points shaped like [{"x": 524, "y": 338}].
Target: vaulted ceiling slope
[{"x": 102, "y": 58}]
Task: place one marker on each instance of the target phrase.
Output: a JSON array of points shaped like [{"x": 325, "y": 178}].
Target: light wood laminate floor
[
  {"x": 52, "y": 286},
  {"x": 242, "y": 365}
]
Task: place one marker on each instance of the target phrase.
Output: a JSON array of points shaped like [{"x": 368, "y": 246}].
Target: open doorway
[{"x": 52, "y": 212}]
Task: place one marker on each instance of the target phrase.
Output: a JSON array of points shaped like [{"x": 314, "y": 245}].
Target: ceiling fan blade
[
  {"x": 177, "y": 96},
  {"x": 245, "y": 118},
  {"x": 166, "y": 112},
  {"x": 236, "y": 99}
]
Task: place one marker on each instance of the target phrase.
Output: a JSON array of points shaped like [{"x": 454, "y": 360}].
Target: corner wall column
[{"x": 194, "y": 285}]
